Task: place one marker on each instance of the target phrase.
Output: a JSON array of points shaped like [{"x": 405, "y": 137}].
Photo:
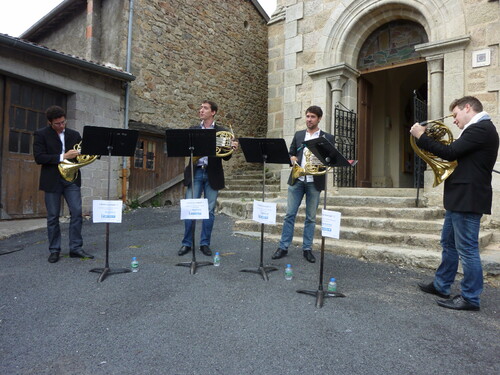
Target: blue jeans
[
  {"x": 201, "y": 185},
  {"x": 460, "y": 239},
  {"x": 295, "y": 194},
  {"x": 72, "y": 194}
]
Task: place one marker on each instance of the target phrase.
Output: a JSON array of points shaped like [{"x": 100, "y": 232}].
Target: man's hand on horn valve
[{"x": 417, "y": 130}]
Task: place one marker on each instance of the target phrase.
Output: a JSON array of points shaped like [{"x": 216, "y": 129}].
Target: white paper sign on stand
[
  {"x": 264, "y": 212},
  {"x": 194, "y": 209},
  {"x": 330, "y": 224},
  {"x": 104, "y": 211}
]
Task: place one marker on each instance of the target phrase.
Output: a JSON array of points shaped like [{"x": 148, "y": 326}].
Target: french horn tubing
[
  {"x": 440, "y": 132},
  {"x": 69, "y": 169}
]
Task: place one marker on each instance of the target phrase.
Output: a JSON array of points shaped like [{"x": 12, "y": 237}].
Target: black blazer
[
  {"x": 468, "y": 189},
  {"x": 298, "y": 151},
  {"x": 47, "y": 149},
  {"x": 214, "y": 167}
]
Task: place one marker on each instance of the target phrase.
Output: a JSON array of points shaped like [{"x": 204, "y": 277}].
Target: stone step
[
  {"x": 251, "y": 187},
  {"x": 373, "y": 252},
  {"x": 429, "y": 241},
  {"x": 230, "y": 207},
  {"x": 246, "y": 194},
  {"x": 380, "y": 192},
  {"x": 415, "y": 257}
]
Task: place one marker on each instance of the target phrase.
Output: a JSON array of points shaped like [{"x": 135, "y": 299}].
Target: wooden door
[
  {"x": 364, "y": 166},
  {"x": 23, "y": 113}
]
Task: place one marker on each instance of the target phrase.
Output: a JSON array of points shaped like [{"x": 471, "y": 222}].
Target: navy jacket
[
  {"x": 214, "y": 167},
  {"x": 468, "y": 189},
  {"x": 298, "y": 151},
  {"x": 47, "y": 149}
]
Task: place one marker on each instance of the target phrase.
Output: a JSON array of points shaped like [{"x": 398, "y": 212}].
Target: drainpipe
[{"x": 127, "y": 96}]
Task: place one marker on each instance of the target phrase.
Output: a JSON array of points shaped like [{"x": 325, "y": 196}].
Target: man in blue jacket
[
  {"x": 53, "y": 144},
  {"x": 309, "y": 185},
  {"x": 467, "y": 196}
]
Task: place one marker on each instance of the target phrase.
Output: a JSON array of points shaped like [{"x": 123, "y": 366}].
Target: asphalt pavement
[{"x": 58, "y": 319}]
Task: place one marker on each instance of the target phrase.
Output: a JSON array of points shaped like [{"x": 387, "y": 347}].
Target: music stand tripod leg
[
  {"x": 261, "y": 269},
  {"x": 106, "y": 270},
  {"x": 193, "y": 264}
]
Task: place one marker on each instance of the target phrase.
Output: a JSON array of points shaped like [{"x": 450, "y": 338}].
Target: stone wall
[{"x": 185, "y": 51}]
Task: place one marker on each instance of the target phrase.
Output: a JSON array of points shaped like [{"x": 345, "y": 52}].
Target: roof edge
[{"x": 36, "y": 49}]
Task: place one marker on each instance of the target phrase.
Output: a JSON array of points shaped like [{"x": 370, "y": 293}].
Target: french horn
[
  {"x": 69, "y": 169},
  {"x": 223, "y": 146},
  {"x": 312, "y": 167},
  {"x": 440, "y": 132}
]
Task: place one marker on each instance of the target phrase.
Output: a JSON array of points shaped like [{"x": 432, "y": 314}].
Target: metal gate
[
  {"x": 345, "y": 130},
  {"x": 419, "y": 115}
]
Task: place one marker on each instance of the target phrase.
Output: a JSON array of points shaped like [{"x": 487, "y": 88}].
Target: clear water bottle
[
  {"x": 134, "y": 265},
  {"x": 288, "y": 272},
  {"x": 332, "y": 285},
  {"x": 217, "y": 259}
]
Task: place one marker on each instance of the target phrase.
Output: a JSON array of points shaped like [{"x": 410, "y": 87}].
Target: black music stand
[
  {"x": 326, "y": 152},
  {"x": 191, "y": 142},
  {"x": 113, "y": 142},
  {"x": 264, "y": 150}
]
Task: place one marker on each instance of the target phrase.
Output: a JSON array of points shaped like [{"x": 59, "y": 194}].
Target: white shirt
[
  {"x": 303, "y": 162},
  {"x": 204, "y": 160},
  {"x": 61, "y": 137}
]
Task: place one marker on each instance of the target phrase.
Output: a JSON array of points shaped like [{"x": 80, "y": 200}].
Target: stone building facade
[
  {"x": 181, "y": 51},
  {"x": 373, "y": 57}
]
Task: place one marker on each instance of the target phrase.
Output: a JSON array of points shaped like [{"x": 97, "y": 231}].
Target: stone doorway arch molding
[{"x": 351, "y": 23}]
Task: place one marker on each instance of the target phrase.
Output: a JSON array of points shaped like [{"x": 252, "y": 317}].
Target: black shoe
[
  {"x": 206, "y": 250},
  {"x": 457, "y": 303},
  {"x": 429, "y": 288},
  {"x": 80, "y": 254},
  {"x": 53, "y": 257},
  {"x": 308, "y": 254},
  {"x": 184, "y": 250},
  {"x": 280, "y": 253}
]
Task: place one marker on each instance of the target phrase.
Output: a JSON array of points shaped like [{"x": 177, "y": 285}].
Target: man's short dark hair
[
  {"x": 474, "y": 102},
  {"x": 54, "y": 112},
  {"x": 212, "y": 105},
  {"x": 316, "y": 110}
]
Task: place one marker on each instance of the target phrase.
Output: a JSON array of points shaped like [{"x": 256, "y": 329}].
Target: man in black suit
[
  {"x": 208, "y": 178},
  {"x": 310, "y": 186},
  {"x": 467, "y": 196},
  {"x": 52, "y": 145}
]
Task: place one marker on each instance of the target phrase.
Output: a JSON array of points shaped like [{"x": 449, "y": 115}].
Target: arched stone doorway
[{"x": 390, "y": 71}]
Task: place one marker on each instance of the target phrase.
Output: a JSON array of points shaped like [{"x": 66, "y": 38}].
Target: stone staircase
[{"x": 376, "y": 224}]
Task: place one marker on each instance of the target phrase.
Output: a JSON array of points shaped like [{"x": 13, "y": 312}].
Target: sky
[{"x": 17, "y": 16}]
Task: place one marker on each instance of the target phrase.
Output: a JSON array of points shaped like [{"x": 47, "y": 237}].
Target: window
[
  {"x": 144, "y": 157},
  {"x": 27, "y": 105}
]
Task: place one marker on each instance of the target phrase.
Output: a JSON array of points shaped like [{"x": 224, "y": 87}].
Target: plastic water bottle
[
  {"x": 217, "y": 259},
  {"x": 134, "y": 265},
  {"x": 288, "y": 272},
  {"x": 332, "y": 285}
]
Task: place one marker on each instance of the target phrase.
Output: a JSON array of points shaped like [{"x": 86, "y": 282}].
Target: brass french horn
[
  {"x": 69, "y": 169},
  {"x": 312, "y": 167},
  {"x": 440, "y": 132},
  {"x": 223, "y": 146}
]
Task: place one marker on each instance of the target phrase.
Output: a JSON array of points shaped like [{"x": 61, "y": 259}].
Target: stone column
[
  {"x": 436, "y": 82},
  {"x": 337, "y": 85}
]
